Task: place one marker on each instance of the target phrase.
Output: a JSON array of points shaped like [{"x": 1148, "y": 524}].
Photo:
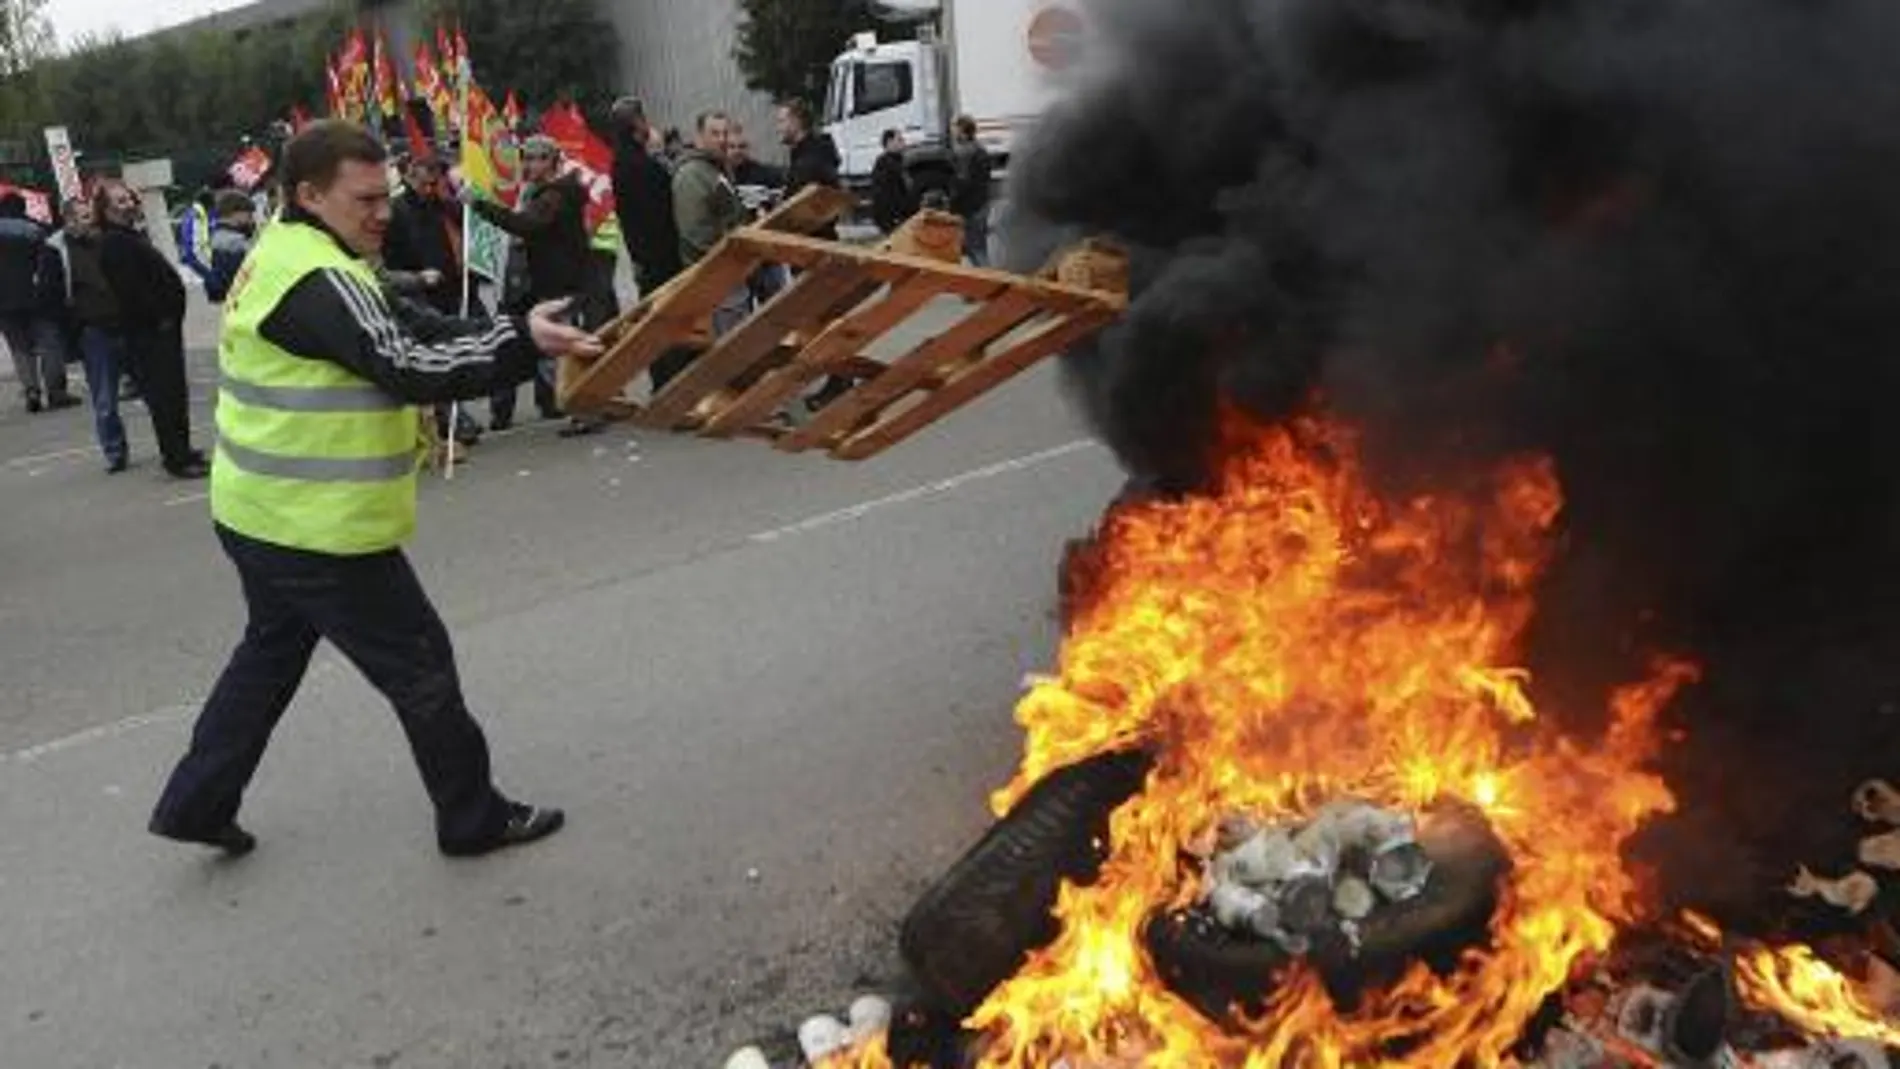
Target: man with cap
[
  {"x": 314, "y": 493},
  {"x": 552, "y": 226}
]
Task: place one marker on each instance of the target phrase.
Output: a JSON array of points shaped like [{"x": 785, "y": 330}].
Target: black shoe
[
  {"x": 581, "y": 428},
  {"x": 526, "y": 824},
  {"x": 33, "y": 404},
  {"x": 189, "y": 471},
  {"x": 233, "y": 840},
  {"x": 116, "y": 466},
  {"x": 63, "y": 401}
]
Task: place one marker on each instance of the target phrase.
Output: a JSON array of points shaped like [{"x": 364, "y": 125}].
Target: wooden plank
[
  {"x": 971, "y": 383},
  {"x": 932, "y": 235},
  {"x": 1010, "y": 309},
  {"x": 674, "y": 315},
  {"x": 809, "y": 295},
  {"x": 887, "y": 267},
  {"x": 844, "y": 338},
  {"x": 812, "y": 210}
]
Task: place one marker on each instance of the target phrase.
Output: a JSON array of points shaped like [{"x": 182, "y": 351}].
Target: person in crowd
[
  {"x": 893, "y": 198},
  {"x": 150, "y": 298},
  {"x": 94, "y": 313},
  {"x": 231, "y": 240},
  {"x": 706, "y": 207},
  {"x": 195, "y": 228},
  {"x": 673, "y": 145},
  {"x": 29, "y": 308},
  {"x": 970, "y": 198},
  {"x": 814, "y": 162},
  {"x": 643, "y": 198},
  {"x": 760, "y": 185},
  {"x": 314, "y": 495},
  {"x": 425, "y": 242},
  {"x": 552, "y": 225}
]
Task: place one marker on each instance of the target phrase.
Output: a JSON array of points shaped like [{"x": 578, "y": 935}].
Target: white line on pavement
[
  {"x": 918, "y": 493},
  {"x": 178, "y": 714},
  {"x": 173, "y": 715},
  {"x": 188, "y": 499}
]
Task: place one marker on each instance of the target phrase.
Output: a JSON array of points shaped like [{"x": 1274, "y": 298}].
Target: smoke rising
[{"x": 1657, "y": 239}]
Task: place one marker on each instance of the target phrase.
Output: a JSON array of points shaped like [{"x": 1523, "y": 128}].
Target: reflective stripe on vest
[
  {"x": 310, "y": 398},
  {"x": 321, "y": 469},
  {"x": 310, "y": 455}
]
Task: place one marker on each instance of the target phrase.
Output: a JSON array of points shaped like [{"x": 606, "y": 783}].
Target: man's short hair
[
  {"x": 891, "y": 135},
  {"x": 433, "y": 164},
  {"x": 706, "y": 118},
  {"x": 233, "y": 202},
  {"x": 966, "y": 126},
  {"x": 626, "y": 110},
  {"x": 801, "y": 112},
  {"x": 316, "y": 155}
]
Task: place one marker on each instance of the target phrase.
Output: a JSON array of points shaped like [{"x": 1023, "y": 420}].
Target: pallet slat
[
  {"x": 739, "y": 351},
  {"x": 843, "y": 301}
]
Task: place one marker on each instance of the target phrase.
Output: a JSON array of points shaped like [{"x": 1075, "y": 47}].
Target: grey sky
[{"x": 71, "y": 18}]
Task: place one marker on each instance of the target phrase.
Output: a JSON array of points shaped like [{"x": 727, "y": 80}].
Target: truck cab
[
  {"x": 878, "y": 87},
  {"x": 1002, "y": 62}
]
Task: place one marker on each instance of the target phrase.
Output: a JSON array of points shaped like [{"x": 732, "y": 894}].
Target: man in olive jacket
[{"x": 706, "y": 207}]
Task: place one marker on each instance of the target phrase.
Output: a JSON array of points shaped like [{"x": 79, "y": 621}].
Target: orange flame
[
  {"x": 1286, "y": 638},
  {"x": 1810, "y": 994}
]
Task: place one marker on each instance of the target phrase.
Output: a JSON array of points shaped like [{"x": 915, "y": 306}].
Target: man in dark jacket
[
  {"x": 971, "y": 196},
  {"x": 425, "y": 241},
  {"x": 94, "y": 314},
  {"x": 814, "y": 156},
  {"x": 552, "y": 226},
  {"x": 643, "y": 199},
  {"x": 151, "y": 300},
  {"x": 893, "y": 200},
  {"x": 30, "y": 326}
]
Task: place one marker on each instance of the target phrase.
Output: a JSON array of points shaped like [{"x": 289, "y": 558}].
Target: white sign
[{"x": 65, "y": 166}]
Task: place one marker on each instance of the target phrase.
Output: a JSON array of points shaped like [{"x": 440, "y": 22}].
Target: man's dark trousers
[
  {"x": 156, "y": 357},
  {"x": 374, "y": 610}
]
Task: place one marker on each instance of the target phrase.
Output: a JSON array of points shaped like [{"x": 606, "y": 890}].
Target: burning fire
[{"x": 1289, "y": 638}]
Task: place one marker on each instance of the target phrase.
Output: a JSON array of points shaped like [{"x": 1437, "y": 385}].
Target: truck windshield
[
  {"x": 835, "y": 96},
  {"x": 883, "y": 85}
]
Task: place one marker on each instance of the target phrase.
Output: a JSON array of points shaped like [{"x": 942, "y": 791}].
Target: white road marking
[
  {"x": 188, "y": 499},
  {"x": 919, "y": 493},
  {"x": 173, "y": 715},
  {"x": 180, "y": 714}
]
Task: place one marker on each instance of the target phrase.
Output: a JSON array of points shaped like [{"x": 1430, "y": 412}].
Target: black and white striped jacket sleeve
[{"x": 412, "y": 351}]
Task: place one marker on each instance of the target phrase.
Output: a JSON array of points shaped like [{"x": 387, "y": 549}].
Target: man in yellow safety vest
[{"x": 314, "y": 492}]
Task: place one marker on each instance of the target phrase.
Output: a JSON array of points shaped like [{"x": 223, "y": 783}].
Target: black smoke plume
[{"x": 1656, "y": 239}]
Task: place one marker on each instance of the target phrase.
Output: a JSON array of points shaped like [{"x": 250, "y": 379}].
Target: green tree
[
  {"x": 548, "y": 51},
  {"x": 25, "y": 34},
  {"x": 785, "y": 47}
]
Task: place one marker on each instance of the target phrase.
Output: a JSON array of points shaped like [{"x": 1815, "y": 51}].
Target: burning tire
[
  {"x": 977, "y": 925},
  {"x": 1219, "y": 971}
]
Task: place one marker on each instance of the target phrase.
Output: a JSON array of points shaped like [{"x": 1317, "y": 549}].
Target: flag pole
[{"x": 468, "y": 214}]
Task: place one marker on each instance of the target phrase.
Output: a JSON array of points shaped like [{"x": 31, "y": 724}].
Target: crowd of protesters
[{"x": 98, "y": 293}]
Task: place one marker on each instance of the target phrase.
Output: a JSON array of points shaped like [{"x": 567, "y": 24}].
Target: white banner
[{"x": 59, "y": 147}]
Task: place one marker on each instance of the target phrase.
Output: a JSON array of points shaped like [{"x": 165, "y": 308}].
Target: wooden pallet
[{"x": 841, "y": 301}]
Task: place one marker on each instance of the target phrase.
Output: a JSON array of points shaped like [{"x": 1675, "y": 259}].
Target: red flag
[
  {"x": 430, "y": 87},
  {"x": 444, "y": 47},
  {"x": 511, "y": 111},
  {"x": 589, "y": 157},
  {"x": 353, "y": 68},
  {"x": 388, "y": 85},
  {"x": 333, "y": 90},
  {"x": 250, "y": 168},
  {"x": 420, "y": 147}
]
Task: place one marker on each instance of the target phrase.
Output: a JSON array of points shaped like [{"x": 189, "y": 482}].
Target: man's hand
[{"x": 556, "y": 338}]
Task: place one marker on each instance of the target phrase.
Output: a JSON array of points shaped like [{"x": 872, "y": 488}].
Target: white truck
[{"x": 1001, "y": 62}]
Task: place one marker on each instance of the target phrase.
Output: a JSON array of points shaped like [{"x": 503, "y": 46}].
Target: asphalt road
[{"x": 772, "y": 693}]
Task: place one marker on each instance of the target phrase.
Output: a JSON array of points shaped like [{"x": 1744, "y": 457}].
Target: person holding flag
[{"x": 314, "y": 494}]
